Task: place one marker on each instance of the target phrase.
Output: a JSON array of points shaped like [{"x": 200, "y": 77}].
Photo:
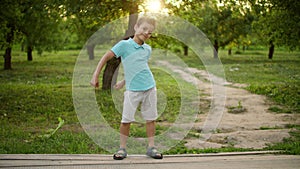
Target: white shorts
[{"x": 132, "y": 100}]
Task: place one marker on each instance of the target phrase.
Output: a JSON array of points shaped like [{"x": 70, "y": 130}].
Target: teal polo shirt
[{"x": 135, "y": 57}]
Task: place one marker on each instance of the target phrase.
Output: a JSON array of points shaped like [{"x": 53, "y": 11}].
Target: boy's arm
[
  {"x": 120, "y": 85},
  {"x": 106, "y": 57}
]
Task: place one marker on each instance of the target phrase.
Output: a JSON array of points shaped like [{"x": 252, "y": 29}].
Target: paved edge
[
  {"x": 227, "y": 154},
  {"x": 91, "y": 156},
  {"x": 86, "y": 160}
]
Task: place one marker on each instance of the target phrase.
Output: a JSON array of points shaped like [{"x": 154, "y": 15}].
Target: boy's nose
[{"x": 148, "y": 33}]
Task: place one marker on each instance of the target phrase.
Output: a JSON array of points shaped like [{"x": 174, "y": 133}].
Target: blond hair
[{"x": 149, "y": 20}]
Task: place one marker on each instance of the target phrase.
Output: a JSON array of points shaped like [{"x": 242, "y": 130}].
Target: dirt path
[{"x": 254, "y": 126}]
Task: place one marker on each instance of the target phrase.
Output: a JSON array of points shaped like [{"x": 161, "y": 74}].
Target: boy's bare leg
[
  {"x": 124, "y": 133},
  {"x": 150, "y": 130},
  {"x": 151, "y": 151}
]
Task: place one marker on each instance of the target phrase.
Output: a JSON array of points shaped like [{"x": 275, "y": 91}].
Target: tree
[
  {"x": 224, "y": 23},
  {"x": 41, "y": 26},
  {"x": 113, "y": 64},
  {"x": 10, "y": 17},
  {"x": 88, "y": 16},
  {"x": 277, "y": 22},
  {"x": 192, "y": 11},
  {"x": 37, "y": 21},
  {"x": 235, "y": 24}
]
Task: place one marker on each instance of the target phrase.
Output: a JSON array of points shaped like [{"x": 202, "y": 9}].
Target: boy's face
[{"x": 143, "y": 31}]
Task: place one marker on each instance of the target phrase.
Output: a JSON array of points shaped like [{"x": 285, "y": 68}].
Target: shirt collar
[{"x": 136, "y": 45}]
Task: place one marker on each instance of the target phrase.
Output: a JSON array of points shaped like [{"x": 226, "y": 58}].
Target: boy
[{"x": 140, "y": 84}]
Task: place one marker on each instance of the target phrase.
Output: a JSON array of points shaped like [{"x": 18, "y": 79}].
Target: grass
[
  {"x": 289, "y": 145},
  {"x": 279, "y": 78},
  {"x": 34, "y": 95}
]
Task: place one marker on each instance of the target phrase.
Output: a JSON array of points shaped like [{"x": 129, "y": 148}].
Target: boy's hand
[
  {"x": 119, "y": 85},
  {"x": 94, "y": 82},
  {"x": 107, "y": 56}
]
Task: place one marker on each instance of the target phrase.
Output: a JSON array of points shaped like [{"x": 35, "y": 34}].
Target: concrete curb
[
  {"x": 97, "y": 156},
  {"x": 226, "y": 154},
  {"x": 228, "y": 160}
]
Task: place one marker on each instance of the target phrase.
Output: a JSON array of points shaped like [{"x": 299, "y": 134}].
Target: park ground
[{"x": 35, "y": 94}]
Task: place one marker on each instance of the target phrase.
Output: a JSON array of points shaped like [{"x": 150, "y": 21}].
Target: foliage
[
  {"x": 86, "y": 17},
  {"x": 237, "y": 109},
  {"x": 42, "y": 25},
  {"x": 46, "y": 25},
  {"x": 277, "y": 21},
  {"x": 224, "y": 25},
  {"x": 10, "y": 15},
  {"x": 285, "y": 94},
  {"x": 52, "y": 25},
  {"x": 35, "y": 23},
  {"x": 231, "y": 23},
  {"x": 51, "y": 132}
]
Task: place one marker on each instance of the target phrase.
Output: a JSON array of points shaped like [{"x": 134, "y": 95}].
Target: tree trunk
[
  {"x": 108, "y": 76},
  {"x": 271, "y": 50},
  {"x": 130, "y": 30},
  {"x": 112, "y": 65},
  {"x": 7, "y": 59},
  {"x": 22, "y": 46},
  {"x": 90, "y": 50},
  {"x": 29, "y": 53},
  {"x": 216, "y": 46},
  {"x": 186, "y": 50},
  {"x": 7, "y": 55},
  {"x": 229, "y": 51}
]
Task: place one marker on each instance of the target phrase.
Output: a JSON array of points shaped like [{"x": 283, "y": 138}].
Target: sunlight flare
[{"x": 153, "y": 6}]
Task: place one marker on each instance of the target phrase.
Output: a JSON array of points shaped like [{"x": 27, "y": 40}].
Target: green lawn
[
  {"x": 34, "y": 95},
  {"x": 278, "y": 78}
]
